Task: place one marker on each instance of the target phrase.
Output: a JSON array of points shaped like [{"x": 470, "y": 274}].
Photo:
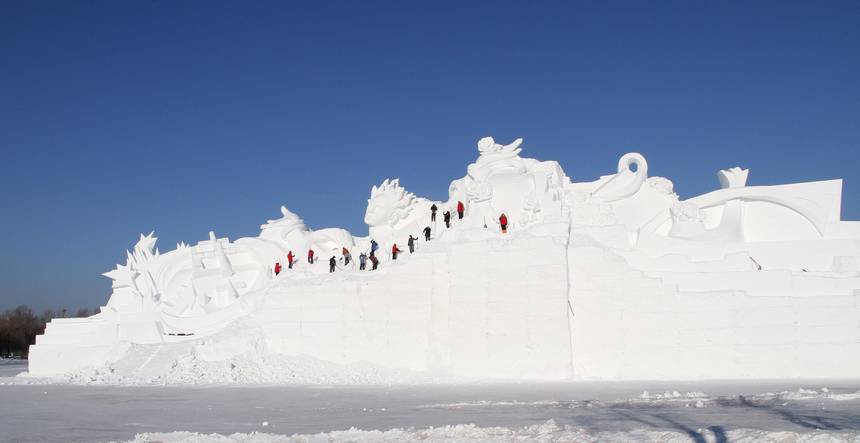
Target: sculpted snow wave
[{"x": 615, "y": 278}]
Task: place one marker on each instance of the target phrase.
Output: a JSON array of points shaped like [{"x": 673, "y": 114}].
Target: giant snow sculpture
[{"x": 615, "y": 278}]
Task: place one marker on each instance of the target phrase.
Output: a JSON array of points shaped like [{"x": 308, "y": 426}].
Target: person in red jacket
[
  {"x": 310, "y": 256},
  {"x": 277, "y": 267},
  {"x": 503, "y": 220},
  {"x": 394, "y": 251},
  {"x": 290, "y": 258},
  {"x": 460, "y": 210}
]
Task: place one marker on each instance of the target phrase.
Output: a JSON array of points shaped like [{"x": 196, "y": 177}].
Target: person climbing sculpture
[
  {"x": 503, "y": 221},
  {"x": 311, "y": 256},
  {"x": 447, "y": 217},
  {"x": 394, "y": 251},
  {"x": 433, "y": 210},
  {"x": 277, "y": 267},
  {"x": 373, "y": 246},
  {"x": 332, "y": 263},
  {"x": 346, "y": 256},
  {"x": 290, "y": 259},
  {"x": 374, "y": 261},
  {"x": 427, "y": 233},
  {"x": 362, "y": 261},
  {"x": 460, "y": 210},
  {"x": 411, "y": 243}
]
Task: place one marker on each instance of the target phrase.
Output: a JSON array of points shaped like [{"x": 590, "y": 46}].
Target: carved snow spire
[{"x": 223, "y": 262}]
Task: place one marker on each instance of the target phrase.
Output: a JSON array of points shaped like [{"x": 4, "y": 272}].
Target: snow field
[{"x": 549, "y": 431}]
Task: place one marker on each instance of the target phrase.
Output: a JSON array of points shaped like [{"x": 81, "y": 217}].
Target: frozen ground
[{"x": 638, "y": 411}]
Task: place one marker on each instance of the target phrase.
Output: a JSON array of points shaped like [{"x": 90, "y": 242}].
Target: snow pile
[
  {"x": 546, "y": 432},
  {"x": 673, "y": 395},
  {"x": 235, "y": 356},
  {"x": 812, "y": 394},
  {"x": 253, "y": 368}
]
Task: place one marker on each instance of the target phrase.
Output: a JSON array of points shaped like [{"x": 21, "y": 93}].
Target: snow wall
[{"x": 611, "y": 279}]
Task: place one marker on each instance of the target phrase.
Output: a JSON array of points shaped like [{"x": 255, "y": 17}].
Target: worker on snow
[
  {"x": 427, "y": 233},
  {"x": 277, "y": 267},
  {"x": 332, "y": 263},
  {"x": 447, "y": 218},
  {"x": 375, "y": 262},
  {"x": 346, "y": 256},
  {"x": 460, "y": 210},
  {"x": 503, "y": 220},
  {"x": 290, "y": 259},
  {"x": 411, "y": 243},
  {"x": 394, "y": 251},
  {"x": 433, "y": 210},
  {"x": 373, "y": 246},
  {"x": 311, "y": 256},
  {"x": 362, "y": 261}
]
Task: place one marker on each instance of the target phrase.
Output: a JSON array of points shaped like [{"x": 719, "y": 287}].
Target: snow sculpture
[
  {"x": 287, "y": 229},
  {"x": 626, "y": 182},
  {"x": 391, "y": 210},
  {"x": 613, "y": 278},
  {"x": 733, "y": 177}
]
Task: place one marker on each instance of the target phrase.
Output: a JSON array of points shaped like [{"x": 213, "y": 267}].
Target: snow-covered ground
[{"x": 39, "y": 411}]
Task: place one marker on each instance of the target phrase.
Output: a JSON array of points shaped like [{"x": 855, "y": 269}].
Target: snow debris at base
[
  {"x": 673, "y": 395},
  {"x": 811, "y": 394},
  {"x": 546, "y": 432},
  {"x": 252, "y": 368},
  {"x": 234, "y": 356}
]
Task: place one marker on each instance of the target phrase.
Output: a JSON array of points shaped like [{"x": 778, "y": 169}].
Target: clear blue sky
[{"x": 119, "y": 117}]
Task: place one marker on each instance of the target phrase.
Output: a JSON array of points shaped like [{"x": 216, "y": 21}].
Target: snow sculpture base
[{"x": 611, "y": 279}]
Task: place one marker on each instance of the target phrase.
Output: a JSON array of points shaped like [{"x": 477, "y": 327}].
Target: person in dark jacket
[
  {"x": 373, "y": 246},
  {"x": 433, "y": 210},
  {"x": 394, "y": 251},
  {"x": 362, "y": 261},
  {"x": 503, "y": 220},
  {"x": 427, "y": 233},
  {"x": 411, "y": 243},
  {"x": 447, "y": 218},
  {"x": 460, "y": 210},
  {"x": 375, "y": 262},
  {"x": 332, "y": 263}
]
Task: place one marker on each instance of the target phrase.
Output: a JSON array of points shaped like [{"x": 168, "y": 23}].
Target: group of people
[{"x": 363, "y": 258}]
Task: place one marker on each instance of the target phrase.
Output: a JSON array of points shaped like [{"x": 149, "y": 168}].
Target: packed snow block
[
  {"x": 828, "y": 360},
  {"x": 144, "y": 332},
  {"x": 828, "y": 334},
  {"x": 708, "y": 300},
  {"x": 696, "y": 320},
  {"x": 827, "y": 315},
  {"x": 650, "y": 361},
  {"x": 758, "y": 283},
  {"x": 770, "y": 316},
  {"x": 762, "y": 361},
  {"x": 706, "y": 337},
  {"x": 60, "y": 358},
  {"x": 702, "y": 361},
  {"x": 785, "y": 334}
]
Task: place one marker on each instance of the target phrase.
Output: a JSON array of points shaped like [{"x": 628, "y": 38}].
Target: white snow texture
[{"x": 546, "y": 432}]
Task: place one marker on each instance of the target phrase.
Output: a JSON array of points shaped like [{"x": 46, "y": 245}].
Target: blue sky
[{"x": 120, "y": 117}]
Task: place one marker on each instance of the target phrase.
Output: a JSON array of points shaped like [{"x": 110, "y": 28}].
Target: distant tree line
[{"x": 20, "y": 326}]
